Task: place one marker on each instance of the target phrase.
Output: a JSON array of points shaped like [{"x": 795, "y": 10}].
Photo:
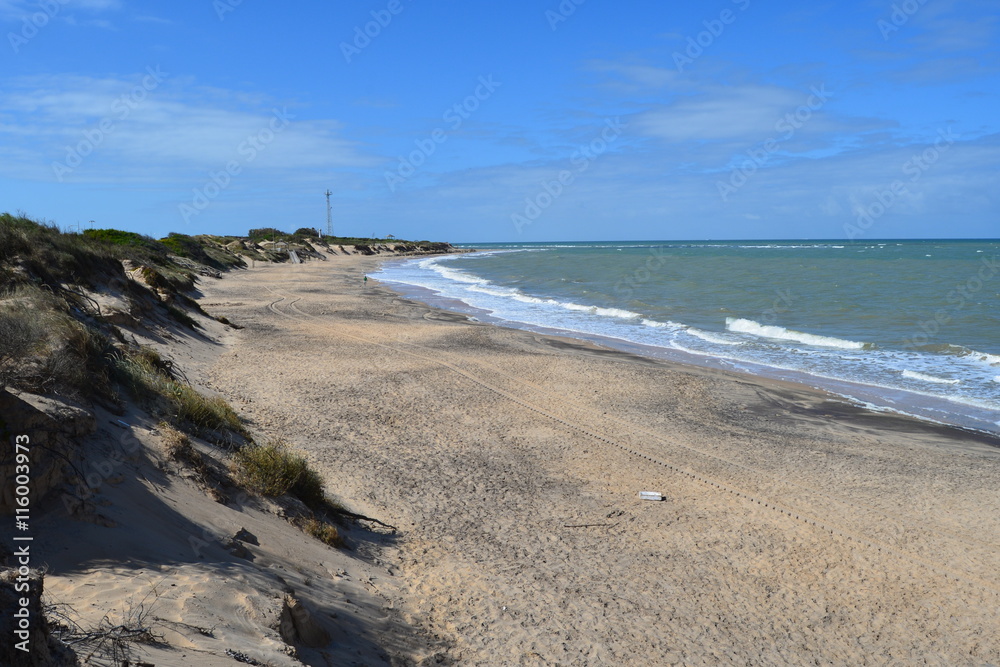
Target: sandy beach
[{"x": 795, "y": 529}]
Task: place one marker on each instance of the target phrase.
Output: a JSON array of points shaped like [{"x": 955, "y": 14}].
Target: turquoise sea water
[{"x": 911, "y": 326}]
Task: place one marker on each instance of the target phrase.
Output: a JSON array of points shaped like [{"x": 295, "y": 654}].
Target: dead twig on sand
[
  {"x": 361, "y": 517},
  {"x": 114, "y": 639}
]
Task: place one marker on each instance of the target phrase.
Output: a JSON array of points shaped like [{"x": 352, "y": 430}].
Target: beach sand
[{"x": 796, "y": 529}]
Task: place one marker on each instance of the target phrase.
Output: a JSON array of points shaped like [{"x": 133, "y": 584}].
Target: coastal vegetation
[
  {"x": 148, "y": 378},
  {"x": 272, "y": 469},
  {"x": 64, "y": 298},
  {"x": 87, "y": 322}
]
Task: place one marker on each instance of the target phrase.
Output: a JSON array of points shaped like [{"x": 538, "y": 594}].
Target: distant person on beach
[{"x": 366, "y": 281}]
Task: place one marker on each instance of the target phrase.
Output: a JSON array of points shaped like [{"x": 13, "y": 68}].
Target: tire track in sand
[
  {"x": 788, "y": 510},
  {"x": 910, "y": 522}
]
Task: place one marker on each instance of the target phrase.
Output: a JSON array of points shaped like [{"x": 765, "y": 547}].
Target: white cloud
[
  {"x": 632, "y": 190},
  {"x": 15, "y": 9},
  {"x": 158, "y": 130},
  {"x": 721, "y": 113}
]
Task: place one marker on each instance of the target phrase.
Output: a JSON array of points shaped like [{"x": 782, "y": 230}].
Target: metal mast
[{"x": 329, "y": 216}]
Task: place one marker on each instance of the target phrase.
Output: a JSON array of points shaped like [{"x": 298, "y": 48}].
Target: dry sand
[{"x": 796, "y": 529}]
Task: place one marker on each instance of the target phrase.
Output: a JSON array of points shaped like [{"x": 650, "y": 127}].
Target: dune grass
[
  {"x": 21, "y": 335},
  {"x": 147, "y": 377},
  {"x": 273, "y": 470},
  {"x": 45, "y": 350}
]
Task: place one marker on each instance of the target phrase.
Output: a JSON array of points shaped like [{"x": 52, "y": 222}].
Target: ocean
[{"x": 904, "y": 326}]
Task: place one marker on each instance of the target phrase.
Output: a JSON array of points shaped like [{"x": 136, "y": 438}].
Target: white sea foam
[
  {"x": 712, "y": 338},
  {"x": 454, "y": 275},
  {"x": 597, "y": 310},
  {"x": 524, "y": 298},
  {"x": 967, "y": 354},
  {"x": 486, "y": 287},
  {"x": 492, "y": 291},
  {"x": 913, "y": 375},
  {"x": 991, "y": 359},
  {"x": 740, "y": 325}
]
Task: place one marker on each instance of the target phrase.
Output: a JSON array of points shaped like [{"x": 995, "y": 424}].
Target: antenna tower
[{"x": 329, "y": 216}]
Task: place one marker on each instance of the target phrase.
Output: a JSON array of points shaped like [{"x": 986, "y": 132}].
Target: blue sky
[{"x": 462, "y": 121}]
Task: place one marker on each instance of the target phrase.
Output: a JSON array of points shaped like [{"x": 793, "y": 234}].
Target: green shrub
[
  {"x": 183, "y": 245},
  {"x": 222, "y": 258},
  {"x": 55, "y": 258},
  {"x": 203, "y": 249},
  {"x": 91, "y": 258},
  {"x": 273, "y": 470},
  {"x": 268, "y": 234},
  {"x": 119, "y": 237},
  {"x": 251, "y": 253},
  {"x": 211, "y": 413}
]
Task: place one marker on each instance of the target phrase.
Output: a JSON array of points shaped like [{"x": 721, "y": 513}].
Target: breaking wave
[{"x": 740, "y": 325}]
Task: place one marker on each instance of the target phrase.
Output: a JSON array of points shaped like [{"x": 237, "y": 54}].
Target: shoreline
[
  {"x": 794, "y": 526},
  {"x": 869, "y": 398}
]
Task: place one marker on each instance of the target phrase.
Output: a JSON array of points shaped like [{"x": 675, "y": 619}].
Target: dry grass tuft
[
  {"x": 177, "y": 446},
  {"x": 147, "y": 377},
  {"x": 43, "y": 349},
  {"x": 21, "y": 334},
  {"x": 323, "y": 531}
]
